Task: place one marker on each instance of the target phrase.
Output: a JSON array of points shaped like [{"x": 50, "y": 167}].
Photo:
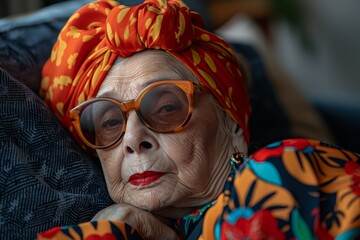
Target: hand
[{"x": 149, "y": 226}]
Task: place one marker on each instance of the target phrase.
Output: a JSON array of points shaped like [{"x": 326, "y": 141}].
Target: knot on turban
[
  {"x": 153, "y": 24},
  {"x": 102, "y": 31}
]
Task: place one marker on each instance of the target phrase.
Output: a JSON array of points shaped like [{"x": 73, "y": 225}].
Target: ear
[{"x": 238, "y": 139}]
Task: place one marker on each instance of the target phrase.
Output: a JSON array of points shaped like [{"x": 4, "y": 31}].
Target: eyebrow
[{"x": 144, "y": 85}]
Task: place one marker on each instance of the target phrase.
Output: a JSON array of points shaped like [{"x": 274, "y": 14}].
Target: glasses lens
[
  {"x": 164, "y": 108},
  {"x": 102, "y": 123}
]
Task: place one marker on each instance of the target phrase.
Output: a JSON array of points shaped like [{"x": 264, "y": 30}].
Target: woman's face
[{"x": 157, "y": 171}]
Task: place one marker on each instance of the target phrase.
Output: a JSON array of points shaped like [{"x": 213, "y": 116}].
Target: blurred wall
[
  {"x": 327, "y": 72},
  {"x": 9, "y": 8},
  {"x": 15, "y": 7}
]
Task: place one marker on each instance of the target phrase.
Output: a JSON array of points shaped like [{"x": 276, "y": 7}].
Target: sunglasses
[{"x": 163, "y": 107}]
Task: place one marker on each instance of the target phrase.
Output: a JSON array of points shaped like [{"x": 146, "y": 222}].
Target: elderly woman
[{"x": 162, "y": 102}]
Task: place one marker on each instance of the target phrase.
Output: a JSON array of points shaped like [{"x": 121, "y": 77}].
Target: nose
[{"x": 137, "y": 138}]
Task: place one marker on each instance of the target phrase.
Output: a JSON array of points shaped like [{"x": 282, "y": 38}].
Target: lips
[{"x": 145, "y": 178}]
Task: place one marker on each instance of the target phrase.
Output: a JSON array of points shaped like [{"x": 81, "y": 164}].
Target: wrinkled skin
[{"x": 194, "y": 160}]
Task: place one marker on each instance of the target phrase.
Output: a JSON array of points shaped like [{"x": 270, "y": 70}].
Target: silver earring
[{"x": 237, "y": 159}]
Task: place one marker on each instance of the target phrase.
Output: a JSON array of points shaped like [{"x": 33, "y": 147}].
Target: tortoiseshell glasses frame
[{"x": 165, "y": 107}]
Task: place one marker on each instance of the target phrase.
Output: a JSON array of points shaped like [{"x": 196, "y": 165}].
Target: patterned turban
[{"x": 102, "y": 31}]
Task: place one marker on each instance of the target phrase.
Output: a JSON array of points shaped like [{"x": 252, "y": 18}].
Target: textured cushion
[{"x": 45, "y": 179}]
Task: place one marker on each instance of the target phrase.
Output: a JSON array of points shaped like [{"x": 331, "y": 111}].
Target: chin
[
  {"x": 164, "y": 206},
  {"x": 150, "y": 200}
]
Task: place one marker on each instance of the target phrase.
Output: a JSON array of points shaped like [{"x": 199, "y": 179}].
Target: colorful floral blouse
[{"x": 292, "y": 189}]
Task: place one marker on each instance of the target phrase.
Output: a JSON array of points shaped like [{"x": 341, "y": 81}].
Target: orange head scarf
[{"x": 101, "y": 31}]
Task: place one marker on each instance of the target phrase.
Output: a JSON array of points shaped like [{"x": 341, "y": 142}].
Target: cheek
[
  {"x": 193, "y": 149},
  {"x": 111, "y": 165}
]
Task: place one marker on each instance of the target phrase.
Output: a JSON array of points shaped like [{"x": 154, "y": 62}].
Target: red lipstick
[{"x": 145, "y": 178}]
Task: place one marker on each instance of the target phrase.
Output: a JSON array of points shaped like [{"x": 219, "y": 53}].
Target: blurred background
[
  {"x": 18, "y": 7},
  {"x": 315, "y": 44}
]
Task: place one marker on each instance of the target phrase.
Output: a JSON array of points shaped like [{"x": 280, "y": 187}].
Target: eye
[
  {"x": 168, "y": 108},
  {"x": 111, "y": 119},
  {"x": 165, "y": 104},
  {"x": 164, "y": 108},
  {"x": 164, "y": 112},
  {"x": 110, "y": 123}
]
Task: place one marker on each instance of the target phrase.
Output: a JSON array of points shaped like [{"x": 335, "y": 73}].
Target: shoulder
[{"x": 283, "y": 187}]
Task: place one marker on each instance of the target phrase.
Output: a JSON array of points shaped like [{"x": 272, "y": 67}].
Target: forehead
[{"x": 127, "y": 77}]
